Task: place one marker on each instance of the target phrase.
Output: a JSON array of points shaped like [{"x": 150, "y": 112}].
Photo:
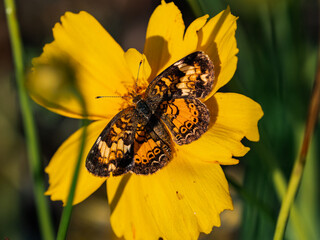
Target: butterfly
[{"x": 139, "y": 138}]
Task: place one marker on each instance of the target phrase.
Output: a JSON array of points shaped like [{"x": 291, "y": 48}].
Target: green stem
[
  {"x": 280, "y": 184},
  {"x": 29, "y": 125},
  {"x": 66, "y": 214},
  {"x": 300, "y": 162}
]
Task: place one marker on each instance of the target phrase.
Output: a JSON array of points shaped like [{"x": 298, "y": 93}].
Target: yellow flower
[{"x": 185, "y": 197}]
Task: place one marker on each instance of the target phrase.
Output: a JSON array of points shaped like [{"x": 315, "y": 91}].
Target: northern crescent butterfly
[{"x": 139, "y": 138}]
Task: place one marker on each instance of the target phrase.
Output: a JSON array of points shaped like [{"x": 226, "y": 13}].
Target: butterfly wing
[
  {"x": 113, "y": 150},
  {"x": 190, "y": 77},
  {"x": 187, "y": 119},
  {"x": 132, "y": 143},
  {"x": 152, "y": 147}
]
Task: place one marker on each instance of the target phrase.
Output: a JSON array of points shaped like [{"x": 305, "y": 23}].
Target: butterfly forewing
[
  {"x": 190, "y": 77},
  {"x": 113, "y": 150}
]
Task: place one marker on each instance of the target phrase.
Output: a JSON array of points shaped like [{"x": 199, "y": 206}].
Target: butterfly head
[{"x": 136, "y": 98}]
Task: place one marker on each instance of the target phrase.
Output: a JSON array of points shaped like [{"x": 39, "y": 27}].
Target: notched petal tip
[
  {"x": 217, "y": 39},
  {"x": 188, "y": 194},
  {"x": 236, "y": 116},
  {"x": 233, "y": 117}
]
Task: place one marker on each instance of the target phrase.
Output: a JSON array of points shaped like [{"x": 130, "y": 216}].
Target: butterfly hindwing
[
  {"x": 113, "y": 150},
  {"x": 190, "y": 77},
  {"x": 152, "y": 147},
  {"x": 187, "y": 119},
  {"x": 130, "y": 143}
]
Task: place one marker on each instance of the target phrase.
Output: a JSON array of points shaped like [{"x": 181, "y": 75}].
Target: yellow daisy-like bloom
[{"x": 185, "y": 197}]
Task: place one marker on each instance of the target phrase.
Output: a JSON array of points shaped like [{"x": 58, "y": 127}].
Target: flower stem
[
  {"x": 66, "y": 214},
  {"x": 300, "y": 162},
  {"x": 280, "y": 183},
  {"x": 28, "y": 123}
]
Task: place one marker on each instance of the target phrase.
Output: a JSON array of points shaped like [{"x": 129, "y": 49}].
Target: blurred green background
[{"x": 278, "y": 43}]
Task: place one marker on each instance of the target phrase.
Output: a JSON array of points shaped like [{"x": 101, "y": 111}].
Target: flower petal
[
  {"x": 165, "y": 27},
  {"x": 143, "y": 71},
  {"x": 217, "y": 147},
  {"x": 217, "y": 39},
  {"x": 97, "y": 61},
  {"x": 190, "y": 39},
  {"x": 62, "y": 165},
  {"x": 236, "y": 113},
  {"x": 181, "y": 200},
  {"x": 166, "y": 41},
  {"x": 233, "y": 117}
]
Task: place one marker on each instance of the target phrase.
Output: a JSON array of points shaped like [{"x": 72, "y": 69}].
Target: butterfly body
[
  {"x": 137, "y": 139},
  {"x": 143, "y": 108}
]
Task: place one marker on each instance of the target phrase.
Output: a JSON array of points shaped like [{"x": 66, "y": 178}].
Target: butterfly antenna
[
  {"x": 112, "y": 96},
  {"x": 136, "y": 82},
  {"x": 135, "y": 86}
]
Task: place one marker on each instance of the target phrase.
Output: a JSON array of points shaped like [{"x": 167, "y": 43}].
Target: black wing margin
[
  {"x": 190, "y": 77},
  {"x": 113, "y": 150}
]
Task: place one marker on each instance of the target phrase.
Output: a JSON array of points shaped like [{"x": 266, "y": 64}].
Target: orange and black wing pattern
[
  {"x": 113, "y": 150},
  {"x": 190, "y": 77},
  {"x": 137, "y": 140},
  {"x": 152, "y": 147},
  {"x": 125, "y": 145},
  {"x": 187, "y": 119}
]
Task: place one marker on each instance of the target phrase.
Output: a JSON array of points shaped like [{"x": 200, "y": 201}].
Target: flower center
[{"x": 133, "y": 96}]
